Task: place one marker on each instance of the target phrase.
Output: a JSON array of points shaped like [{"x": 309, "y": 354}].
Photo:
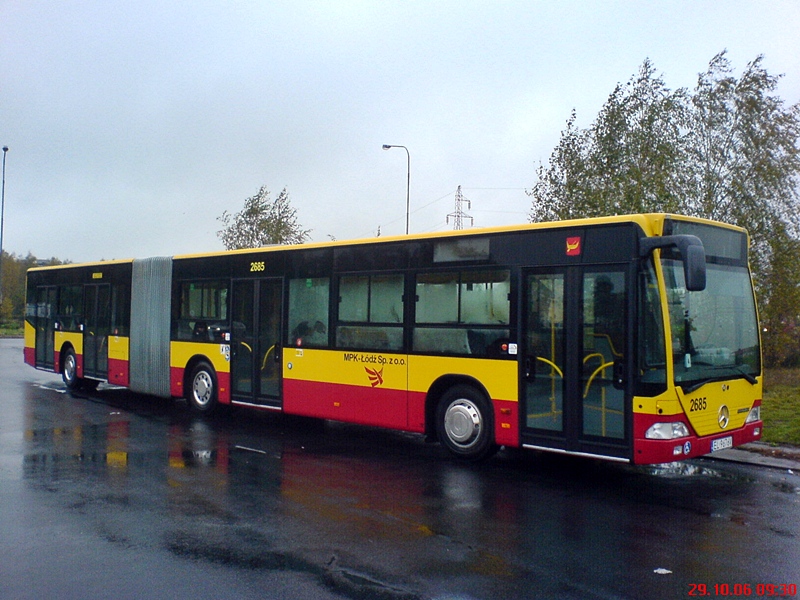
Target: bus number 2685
[{"x": 698, "y": 404}]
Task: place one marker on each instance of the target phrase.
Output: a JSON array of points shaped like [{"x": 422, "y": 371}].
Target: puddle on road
[
  {"x": 687, "y": 469},
  {"x": 787, "y": 487}
]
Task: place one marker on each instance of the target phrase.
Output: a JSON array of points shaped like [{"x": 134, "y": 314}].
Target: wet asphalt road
[{"x": 115, "y": 495}]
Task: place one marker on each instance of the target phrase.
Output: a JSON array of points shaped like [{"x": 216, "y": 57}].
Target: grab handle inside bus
[{"x": 692, "y": 252}]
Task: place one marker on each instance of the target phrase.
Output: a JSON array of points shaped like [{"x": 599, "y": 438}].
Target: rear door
[{"x": 45, "y": 326}]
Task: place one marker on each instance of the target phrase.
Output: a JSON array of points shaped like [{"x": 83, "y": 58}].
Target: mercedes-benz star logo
[{"x": 724, "y": 417}]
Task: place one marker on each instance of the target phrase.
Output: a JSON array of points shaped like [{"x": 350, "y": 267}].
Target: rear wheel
[
  {"x": 69, "y": 370},
  {"x": 201, "y": 393},
  {"x": 465, "y": 423}
]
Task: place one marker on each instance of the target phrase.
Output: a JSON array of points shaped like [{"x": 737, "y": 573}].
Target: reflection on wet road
[{"x": 115, "y": 494}]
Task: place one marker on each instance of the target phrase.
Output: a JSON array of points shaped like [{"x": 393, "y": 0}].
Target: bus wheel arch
[
  {"x": 201, "y": 388},
  {"x": 459, "y": 411}
]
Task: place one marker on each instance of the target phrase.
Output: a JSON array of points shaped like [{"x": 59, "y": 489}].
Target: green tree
[
  {"x": 262, "y": 222},
  {"x": 15, "y": 268},
  {"x": 12, "y": 288},
  {"x": 780, "y": 302},
  {"x": 727, "y": 150},
  {"x": 628, "y": 161},
  {"x": 744, "y": 156}
]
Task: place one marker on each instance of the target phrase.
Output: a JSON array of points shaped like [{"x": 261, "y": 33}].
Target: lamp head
[{"x": 385, "y": 146}]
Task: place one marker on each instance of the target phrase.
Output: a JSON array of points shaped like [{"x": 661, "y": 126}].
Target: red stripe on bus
[
  {"x": 506, "y": 423},
  {"x": 394, "y": 409},
  {"x": 350, "y": 403},
  {"x": 118, "y": 372},
  {"x": 30, "y": 356}
]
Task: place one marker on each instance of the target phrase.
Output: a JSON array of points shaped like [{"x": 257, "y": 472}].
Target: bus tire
[
  {"x": 69, "y": 370},
  {"x": 201, "y": 393},
  {"x": 465, "y": 423}
]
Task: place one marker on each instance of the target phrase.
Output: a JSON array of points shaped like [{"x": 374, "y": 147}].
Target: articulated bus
[{"x": 631, "y": 338}]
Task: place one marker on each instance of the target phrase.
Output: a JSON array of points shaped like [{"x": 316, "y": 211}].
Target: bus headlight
[
  {"x": 667, "y": 431},
  {"x": 755, "y": 415}
]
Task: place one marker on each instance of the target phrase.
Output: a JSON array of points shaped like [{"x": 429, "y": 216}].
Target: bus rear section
[{"x": 77, "y": 322}]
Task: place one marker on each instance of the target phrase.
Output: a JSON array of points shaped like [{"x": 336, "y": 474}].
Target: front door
[
  {"x": 96, "y": 328},
  {"x": 255, "y": 341},
  {"x": 573, "y": 360}
]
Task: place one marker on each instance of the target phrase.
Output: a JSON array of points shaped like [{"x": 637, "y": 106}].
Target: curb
[{"x": 762, "y": 455}]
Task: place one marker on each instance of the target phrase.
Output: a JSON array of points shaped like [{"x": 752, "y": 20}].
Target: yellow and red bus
[{"x": 631, "y": 338}]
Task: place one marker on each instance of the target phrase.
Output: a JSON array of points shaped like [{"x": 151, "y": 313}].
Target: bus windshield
[{"x": 714, "y": 333}]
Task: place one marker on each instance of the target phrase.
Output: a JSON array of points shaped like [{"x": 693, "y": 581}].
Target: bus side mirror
[
  {"x": 692, "y": 252},
  {"x": 694, "y": 268}
]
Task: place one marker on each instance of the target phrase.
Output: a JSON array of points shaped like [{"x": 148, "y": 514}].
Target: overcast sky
[{"x": 133, "y": 125}]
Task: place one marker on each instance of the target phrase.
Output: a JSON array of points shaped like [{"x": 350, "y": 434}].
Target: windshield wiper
[
  {"x": 746, "y": 376},
  {"x": 688, "y": 389},
  {"x": 742, "y": 374}
]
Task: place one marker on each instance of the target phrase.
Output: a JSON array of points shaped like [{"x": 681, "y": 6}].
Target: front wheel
[
  {"x": 201, "y": 393},
  {"x": 465, "y": 423}
]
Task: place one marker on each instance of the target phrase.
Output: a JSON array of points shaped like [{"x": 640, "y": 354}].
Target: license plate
[{"x": 722, "y": 443}]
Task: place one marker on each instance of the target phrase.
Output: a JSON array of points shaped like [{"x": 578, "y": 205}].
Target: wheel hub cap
[
  {"x": 462, "y": 422},
  {"x": 202, "y": 385}
]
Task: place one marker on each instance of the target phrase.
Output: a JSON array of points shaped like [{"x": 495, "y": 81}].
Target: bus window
[
  {"x": 462, "y": 313},
  {"x": 70, "y": 303},
  {"x": 203, "y": 312},
  {"x": 308, "y": 312},
  {"x": 652, "y": 360},
  {"x": 603, "y": 353},
  {"x": 714, "y": 332},
  {"x": 120, "y": 310},
  {"x": 370, "y": 312}
]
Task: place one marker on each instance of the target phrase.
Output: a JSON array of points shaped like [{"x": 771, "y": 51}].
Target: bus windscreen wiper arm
[{"x": 698, "y": 384}]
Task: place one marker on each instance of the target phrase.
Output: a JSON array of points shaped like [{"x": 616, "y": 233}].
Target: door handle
[
  {"x": 530, "y": 371},
  {"x": 619, "y": 374}
]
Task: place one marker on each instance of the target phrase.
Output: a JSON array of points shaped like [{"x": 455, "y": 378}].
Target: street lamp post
[
  {"x": 2, "y": 218},
  {"x": 408, "y": 179}
]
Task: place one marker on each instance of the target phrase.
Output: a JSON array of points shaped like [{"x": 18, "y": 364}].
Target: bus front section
[{"x": 699, "y": 377}]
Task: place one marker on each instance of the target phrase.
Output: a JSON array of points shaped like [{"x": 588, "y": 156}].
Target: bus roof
[{"x": 651, "y": 223}]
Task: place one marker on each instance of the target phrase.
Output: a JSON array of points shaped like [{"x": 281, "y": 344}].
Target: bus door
[
  {"x": 96, "y": 329},
  {"x": 45, "y": 326},
  {"x": 256, "y": 314},
  {"x": 573, "y": 360}
]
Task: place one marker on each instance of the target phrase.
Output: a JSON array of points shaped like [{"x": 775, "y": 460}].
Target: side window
[
  {"x": 463, "y": 312},
  {"x": 70, "y": 301},
  {"x": 308, "y": 312},
  {"x": 652, "y": 359},
  {"x": 203, "y": 312},
  {"x": 370, "y": 312},
  {"x": 120, "y": 310},
  {"x": 437, "y": 298},
  {"x": 484, "y": 298}
]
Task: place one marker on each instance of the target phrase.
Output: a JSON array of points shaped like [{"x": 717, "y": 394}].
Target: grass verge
[
  {"x": 780, "y": 408},
  {"x": 10, "y": 331}
]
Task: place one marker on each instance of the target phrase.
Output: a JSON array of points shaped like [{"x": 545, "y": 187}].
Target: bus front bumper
[{"x": 649, "y": 451}]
